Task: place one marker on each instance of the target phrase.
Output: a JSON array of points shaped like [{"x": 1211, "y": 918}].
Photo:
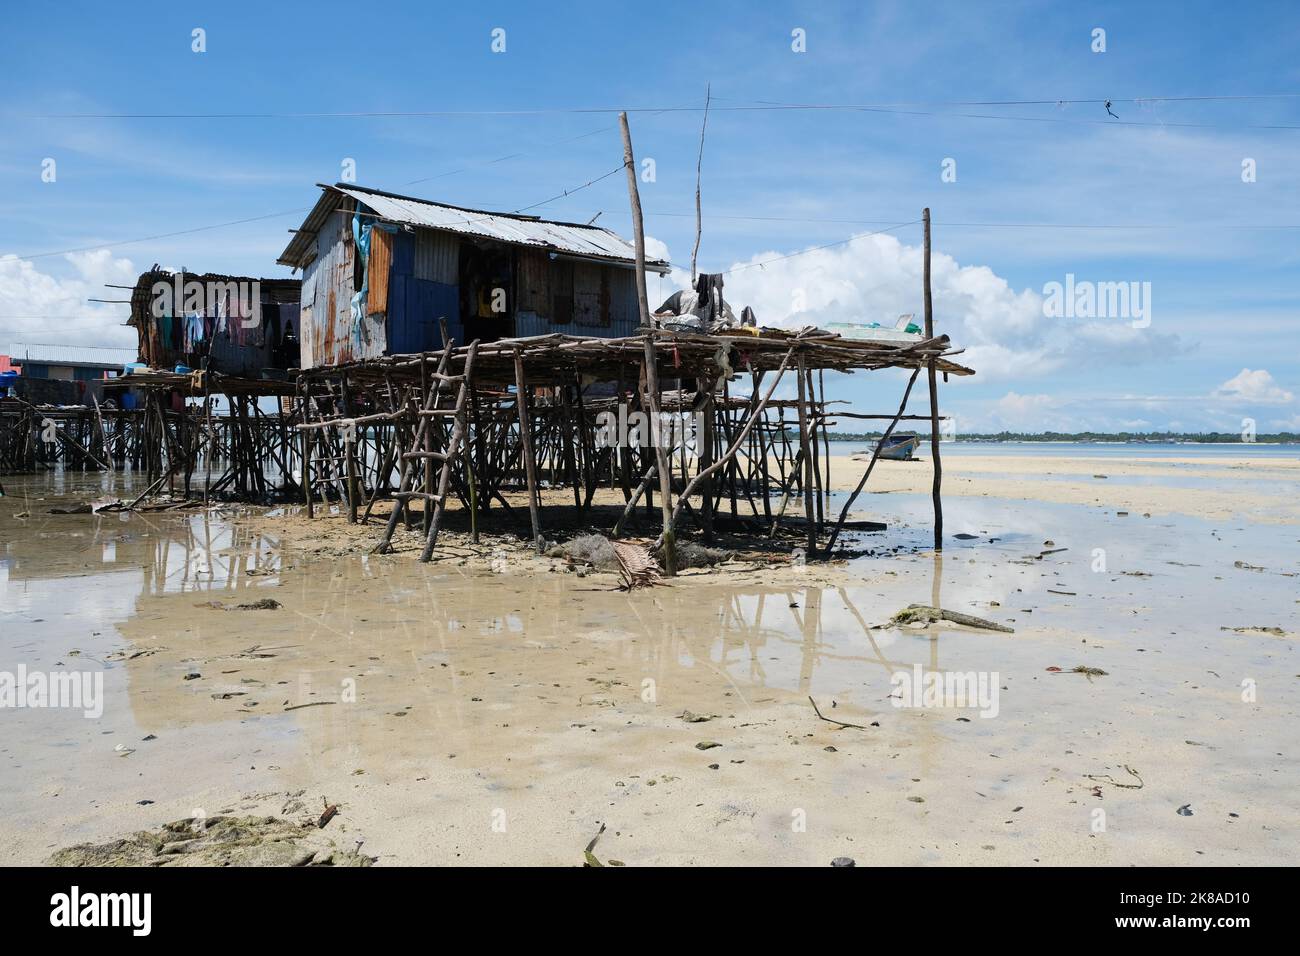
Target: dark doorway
[{"x": 487, "y": 292}]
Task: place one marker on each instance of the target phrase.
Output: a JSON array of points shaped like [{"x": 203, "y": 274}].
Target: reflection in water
[
  {"x": 208, "y": 553},
  {"x": 419, "y": 627},
  {"x": 371, "y": 661},
  {"x": 384, "y": 672},
  {"x": 185, "y": 552},
  {"x": 763, "y": 637},
  {"x": 823, "y": 626}
]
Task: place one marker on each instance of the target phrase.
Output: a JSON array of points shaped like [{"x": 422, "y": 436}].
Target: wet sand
[
  {"x": 1217, "y": 488},
  {"x": 495, "y": 707}
]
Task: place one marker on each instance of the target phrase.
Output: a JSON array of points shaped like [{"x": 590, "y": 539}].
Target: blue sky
[{"x": 1041, "y": 191}]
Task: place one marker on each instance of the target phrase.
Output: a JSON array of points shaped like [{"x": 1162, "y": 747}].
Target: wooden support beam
[
  {"x": 526, "y": 446},
  {"x": 667, "y": 537},
  {"x": 875, "y": 454},
  {"x": 705, "y": 441},
  {"x": 735, "y": 445},
  {"x": 937, "y": 465},
  {"x": 805, "y": 449}
]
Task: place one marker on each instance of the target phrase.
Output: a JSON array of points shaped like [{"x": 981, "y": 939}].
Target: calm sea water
[{"x": 1096, "y": 449}]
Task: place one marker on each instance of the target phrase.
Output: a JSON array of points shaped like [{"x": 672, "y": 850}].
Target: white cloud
[
  {"x": 40, "y": 307},
  {"x": 877, "y": 278},
  {"x": 1255, "y": 387},
  {"x": 655, "y": 249},
  {"x": 1026, "y": 413},
  {"x": 1018, "y": 410}
]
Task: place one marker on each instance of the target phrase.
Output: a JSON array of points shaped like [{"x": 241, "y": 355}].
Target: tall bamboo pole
[
  {"x": 306, "y": 459},
  {"x": 934, "y": 396},
  {"x": 526, "y": 449},
  {"x": 809, "y": 509},
  {"x": 651, "y": 362},
  {"x": 705, "y": 454},
  {"x": 699, "y": 167}
]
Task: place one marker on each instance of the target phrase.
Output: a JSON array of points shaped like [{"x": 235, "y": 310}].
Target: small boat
[{"x": 900, "y": 447}]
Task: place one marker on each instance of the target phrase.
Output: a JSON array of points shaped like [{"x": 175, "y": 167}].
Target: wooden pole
[
  {"x": 306, "y": 458},
  {"x": 633, "y": 498},
  {"x": 705, "y": 440},
  {"x": 651, "y": 360},
  {"x": 739, "y": 441},
  {"x": 813, "y": 420},
  {"x": 349, "y": 449},
  {"x": 566, "y": 444},
  {"x": 875, "y": 454},
  {"x": 756, "y": 378},
  {"x": 427, "y": 507},
  {"x": 826, "y": 438},
  {"x": 474, "y": 460},
  {"x": 809, "y": 512},
  {"x": 480, "y": 450},
  {"x": 210, "y": 448},
  {"x": 699, "y": 166},
  {"x": 934, "y": 395},
  {"x": 526, "y": 450}
]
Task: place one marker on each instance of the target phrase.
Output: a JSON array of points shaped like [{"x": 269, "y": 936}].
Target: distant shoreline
[{"x": 1283, "y": 438}]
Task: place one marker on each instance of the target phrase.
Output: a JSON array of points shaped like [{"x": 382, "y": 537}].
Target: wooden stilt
[
  {"x": 526, "y": 444},
  {"x": 706, "y": 459},
  {"x": 809, "y": 512},
  {"x": 935, "y": 494},
  {"x": 844, "y": 513},
  {"x": 668, "y": 538}
]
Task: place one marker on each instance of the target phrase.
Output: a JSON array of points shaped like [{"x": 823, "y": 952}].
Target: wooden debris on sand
[
  {"x": 636, "y": 565},
  {"x": 330, "y": 811},
  {"x": 925, "y": 614}
]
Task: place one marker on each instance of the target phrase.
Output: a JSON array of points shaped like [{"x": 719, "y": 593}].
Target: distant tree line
[{"x": 1204, "y": 438}]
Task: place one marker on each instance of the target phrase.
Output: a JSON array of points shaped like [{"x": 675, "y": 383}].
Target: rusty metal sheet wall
[
  {"x": 604, "y": 297},
  {"x": 381, "y": 262},
  {"x": 329, "y": 336}
]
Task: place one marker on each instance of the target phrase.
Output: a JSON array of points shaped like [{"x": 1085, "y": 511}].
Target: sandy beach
[{"x": 500, "y": 707}]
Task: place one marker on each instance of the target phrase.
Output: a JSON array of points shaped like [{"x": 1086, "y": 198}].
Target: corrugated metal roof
[
  {"x": 593, "y": 242},
  {"x": 71, "y": 355}
]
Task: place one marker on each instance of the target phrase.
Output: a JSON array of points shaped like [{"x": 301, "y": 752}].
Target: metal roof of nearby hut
[
  {"x": 568, "y": 238},
  {"x": 83, "y": 355}
]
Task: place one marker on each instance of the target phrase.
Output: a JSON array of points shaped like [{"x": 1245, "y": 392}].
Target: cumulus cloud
[
  {"x": 1254, "y": 387},
  {"x": 1037, "y": 412},
  {"x": 1015, "y": 411},
  {"x": 877, "y": 278},
  {"x": 656, "y": 249},
  {"x": 40, "y": 307}
]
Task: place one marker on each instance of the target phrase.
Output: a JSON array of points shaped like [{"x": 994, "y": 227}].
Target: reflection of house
[
  {"x": 381, "y": 270},
  {"x": 237, "y": 325},
  {"x": 65, "y": 374}
]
